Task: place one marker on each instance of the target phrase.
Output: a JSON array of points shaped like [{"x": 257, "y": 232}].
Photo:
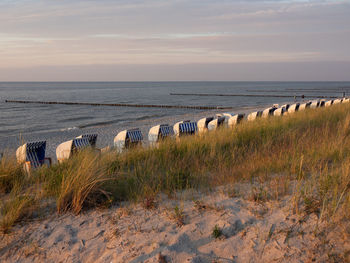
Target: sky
[{"x": 167, "y": 40}]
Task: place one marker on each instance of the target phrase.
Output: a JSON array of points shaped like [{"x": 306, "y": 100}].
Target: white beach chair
[
  {"x": 235, "y": 119},
  {"x": 328, "y": 103},
  {"x": 218, "y": 122},
  {"x": 202, "y": 124},
  {"x": 185, "y": 128},
  {"x": 337, "y": 101},
  {"x": 281, "y": 110},
  {"x": 128, "y": 139},
  {"x": 268, "y": 112},
  {"x": 315, "y": 104},
  {"x": 92, "y": 138},
  {"x": 67, "y": 149},
  {"x": 254, "y": 115},
  {"x": 304, "y": 106},
  {"x": 293, "y": 108},
  {"x": 159, "y": 132},
  {"x": 32, "y": 155}
]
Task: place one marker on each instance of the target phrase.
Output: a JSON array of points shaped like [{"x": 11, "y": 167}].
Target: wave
[
  {"x": 77, "y": 119},
  {"x": 101, "y": 123},
  {"x": 150, "y": 117},
  {"x": 69, "y": 128}
]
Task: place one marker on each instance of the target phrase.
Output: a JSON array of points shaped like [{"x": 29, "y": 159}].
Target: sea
[{"x": 55, "y": 123}]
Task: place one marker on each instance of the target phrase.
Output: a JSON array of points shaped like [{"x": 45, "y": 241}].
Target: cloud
[{"x": 64, "y": 33}]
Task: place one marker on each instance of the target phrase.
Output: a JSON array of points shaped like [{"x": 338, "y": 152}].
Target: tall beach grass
[{"x": 305, "y": 154}]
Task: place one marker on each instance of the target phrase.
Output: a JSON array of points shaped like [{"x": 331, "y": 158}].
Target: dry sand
[{"x": 251, "y": 232}]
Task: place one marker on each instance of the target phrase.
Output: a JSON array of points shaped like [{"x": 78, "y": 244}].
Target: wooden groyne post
[{"x": 122, "y": 105}]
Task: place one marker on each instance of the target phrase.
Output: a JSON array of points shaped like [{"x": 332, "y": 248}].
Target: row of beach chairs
[{"x": 32, "y": 154}]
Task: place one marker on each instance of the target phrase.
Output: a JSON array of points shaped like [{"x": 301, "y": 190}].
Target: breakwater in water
[
  {"x": 254, "y": 95},
  {"x": 122, "y": 105}
]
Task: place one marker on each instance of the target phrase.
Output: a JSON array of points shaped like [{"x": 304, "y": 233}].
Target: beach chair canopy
[
  {"x": 235, "y": 119},
  {"x": 279, "y": 112},
  {"x": 225, "y": 114},
  {"x": 159, "y": 132},
  {"x": 268, "y": 112},
  {"x": 220, "y": 121},
  {"x": 33, "y": 152},
  {"x": 165, "y": 131},
  {"x": 252, "y": 116},
  {"x": 328, "y": 103},
  {"x": 127, "y": 138},
  {"x": 337, "y": 101},
  {"x": 185, "y": 125},
  {"x": 188, "y": 128},
  {"x": 66, "y": 149},
  {"x": 91, "y": 137},
  {"x": 304, "y": 106},
  {"x": 134, "y": 135},
  {"x": 315, "y": 104},
  {"x": 202, "y": 124},
  {"x": 293, "y": 108}
]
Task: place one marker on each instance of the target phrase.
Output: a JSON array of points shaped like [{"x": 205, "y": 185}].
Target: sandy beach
[{"x": 250, "y": 232}]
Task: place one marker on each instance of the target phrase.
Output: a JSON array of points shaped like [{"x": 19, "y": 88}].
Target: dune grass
[{"x": 306, "y": 153}]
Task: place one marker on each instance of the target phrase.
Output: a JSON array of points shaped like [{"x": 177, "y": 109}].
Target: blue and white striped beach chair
[
  {"x": 127, "y": 139},
  {"x": 202, "y": 124},
  {"x": 159, "y": 132},
  {"x": 91, "y": 137},
  {"x": 32, "y": 154},
  {"x": 218, "y": 122},
  {"x": 67, "y": 149},
  {"x": 187, "y": 128}
]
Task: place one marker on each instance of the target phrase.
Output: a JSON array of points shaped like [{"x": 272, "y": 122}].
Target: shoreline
[{"x": 106, "y": 133}]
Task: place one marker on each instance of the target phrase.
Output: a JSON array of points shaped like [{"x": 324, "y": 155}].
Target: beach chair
[
  {"x": 128, "y": 139},
  {"x": 235, "y": 119},
  {"x": 202, "y": 124},
  {"x": 225, "y": 114},
  {"x": 304, "y": 106},
  {"x": 218, "y": 122},
  {"x": 92, "y": 138},
  {"x": 254, "y": 115},
  {"x": 337, "y": 101},
  {"x": 322, "y": 103},
  {"x": 268, "y": 112},
  {"x": 281, "y": 110},
  {"x": 314, "y": 104},
  {"x": 32, "y": 155},
  {"x": 159, "y": 132},
  {"x": 67, "y": 149},
  {"x": 346, "y": 100},
  {"x": 293, "y": 108},
  {"x": 185, "y": 128},
  {"x": 328, "y": 103}
]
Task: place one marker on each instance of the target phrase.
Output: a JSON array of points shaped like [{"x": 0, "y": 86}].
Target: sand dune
[{"x": 251, "y": 232}]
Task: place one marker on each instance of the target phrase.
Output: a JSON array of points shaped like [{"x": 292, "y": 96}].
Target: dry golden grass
[{"x": 306, "y": 153}]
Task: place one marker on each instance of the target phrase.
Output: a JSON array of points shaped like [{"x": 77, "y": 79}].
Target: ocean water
[{"x": 22, "y": 122}]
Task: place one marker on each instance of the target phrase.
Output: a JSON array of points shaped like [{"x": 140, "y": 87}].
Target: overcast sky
[{"x": 106, "y": 40}]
